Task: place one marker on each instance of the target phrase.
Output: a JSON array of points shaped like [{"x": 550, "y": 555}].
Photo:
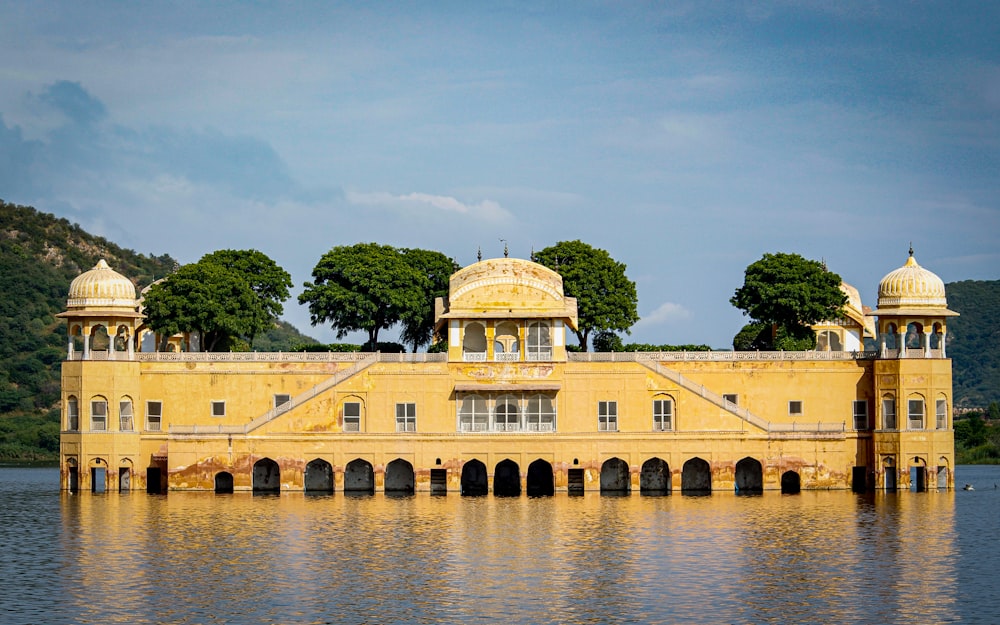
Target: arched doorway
[
  {"x": 889, "y": 473},
  {"x": 223, "y": 483},
  {"x": 474, "y": 481},
  {"x": 399, "y": 477},
  {"x": 266, "y": 476},
  {"x": 791, "y": 483},
  {"x": 654, "y": 479},
  {"x": 359, "y": 477},
  {"x": 507, "y": 479},
  {"x": 615, "y": 476},
  {"x": 696, "y": 477},
  {"x": 318, "y": 477},
  {"x": 540, "y": 480},
  {"x": 749, "y": 477},
  {"x": 918, "y": 475},
  {"x": 942, "y": 473}
]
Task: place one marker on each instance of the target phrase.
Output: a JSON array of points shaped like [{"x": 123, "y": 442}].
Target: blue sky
[{"x": 686, "y": 138}]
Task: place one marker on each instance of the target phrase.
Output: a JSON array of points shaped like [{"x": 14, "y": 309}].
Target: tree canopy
[
  {"x": 365, "y": 287},
  {"x": 784, "y": 294},
  {"x": 227, "y": 296},
  {"x": 606, "y": 299},
  {"x": 418, "y": 323}
]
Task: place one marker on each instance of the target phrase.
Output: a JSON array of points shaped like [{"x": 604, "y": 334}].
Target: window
[
  {"x": 941, "y": 410},
  {"x": 218, "y": 408},
  {"x": 154, "y": 414},
  {"x": 889, "y": 413},
  {"x": 505, "y": 345},
  {"x": 607, "y": 416},
  {"x": 540, "y": 415},
  {"x": 663, "y": 415},
  {"x": 125, "y": 415},
  {"x": 473, "y": 414},
  {"x": 860, "y": 414},
  {"x": 915, "y": 413},
  {"x": 505, "y": 415},
  {"x": 474, "y": 343},
  {"x": 406, "y": 417},
  {"x": 539, "y": 345},
  {"x": 282, "y": 402},
  {"x": 352, "y": 416},
  {"x": 795, "y": 408},
  {"x": 98, "y": 415},
  {"x": 72, "y": 414},
  {"x": 732, "y": 398}
]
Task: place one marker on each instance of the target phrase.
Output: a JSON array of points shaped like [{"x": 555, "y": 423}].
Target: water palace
[{"x": 508, "y": 409}]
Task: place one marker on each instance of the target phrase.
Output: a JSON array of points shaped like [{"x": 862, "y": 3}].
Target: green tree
[
  {"x": 606, "y": 299},
  {"x": 269, "y": 282},
  {"x": 790, "y": 293},
  {"x": 418, "y": 323},
  {"x": 364, "y": 287},
  {"x": 206, "y": 298}
]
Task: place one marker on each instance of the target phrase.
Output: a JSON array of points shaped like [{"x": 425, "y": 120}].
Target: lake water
[{"x": 816, "y": 557}]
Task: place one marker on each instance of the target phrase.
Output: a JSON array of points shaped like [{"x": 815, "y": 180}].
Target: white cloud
[
  {"x": 665, "y": 313},
  {"x": 486, "y": 209}
]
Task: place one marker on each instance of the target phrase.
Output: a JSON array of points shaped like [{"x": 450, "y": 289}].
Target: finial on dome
[
  {"x": 911, "y": 248},
  {"x": 505, "y": 252},
  {"x": 479, "y": 253}
]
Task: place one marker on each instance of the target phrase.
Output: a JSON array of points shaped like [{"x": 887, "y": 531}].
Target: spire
[
  {"x": 505, "y": 252},
  {"x": 479, "y": 253}
]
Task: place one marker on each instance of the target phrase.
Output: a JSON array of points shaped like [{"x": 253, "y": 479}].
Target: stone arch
[
  {"x": 654, "y": 478},
  {"x": 916, "y": 412},
  {"x": 99, "y": 475},
  {"x": 474, "y": 480},
  {"x": 749, "y": 476},
  {"x": 889, "y": 472},
  {"x": 474, "y": 341},
  {"x": 615, "y": 476},
  {"x": 125, "y": 475},
  {"x": 914, "y": 335},
  {"x": 76, "y": 342},
  {"x": 399, "y": 477},
  {"x": 918, "y": 474},
  {"x": 943, "y": 471},
  {"x": 99, "y": 339},
  {"x": 318, "y": 477},
  {"x": 507, "y": 479},
  {"x": 266, "y": 476},
  {"x": 538, "y": 345},
  {"x": 937, "y": 336},
  {"x": 122, "y": 338},
  {"x": 359, "y": 477},
  {"x": 223, "y": 483},
  {"x": 791, "y": 483},
  {"x": 696, "y": 476},
  {"x": 506, "y": 345},
  {"x": 541, "y": 482}
]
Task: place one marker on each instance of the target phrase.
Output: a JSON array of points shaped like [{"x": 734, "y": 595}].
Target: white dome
[
  {"x": 101, "y": 287},
  {"x": 911, "y": 286}
]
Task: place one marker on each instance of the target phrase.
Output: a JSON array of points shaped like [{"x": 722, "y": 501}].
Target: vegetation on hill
[
  {"x": 973, "y": 341},
  {"x": 977, "y": 436}
]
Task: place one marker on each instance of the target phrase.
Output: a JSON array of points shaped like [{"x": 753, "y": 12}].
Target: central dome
[
  {"x": 911, "y": 285},
  {"x": 102, "y": 286}
]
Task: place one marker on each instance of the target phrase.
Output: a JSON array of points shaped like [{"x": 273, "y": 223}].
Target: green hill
[
  {"x": 40, "y": 255},
  {"x": 974, "y": 341}
]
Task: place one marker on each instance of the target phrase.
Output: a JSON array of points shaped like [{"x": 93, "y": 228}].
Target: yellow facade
[{"x": 507, "y": 410}]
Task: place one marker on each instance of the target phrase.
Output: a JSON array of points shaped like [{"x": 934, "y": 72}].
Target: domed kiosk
[{"x": 102, "y": 314}]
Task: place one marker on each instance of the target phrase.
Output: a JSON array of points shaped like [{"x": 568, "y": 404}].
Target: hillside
[
  {"x": 40, "y": 255},
  {"x": 974, "y": 341}
]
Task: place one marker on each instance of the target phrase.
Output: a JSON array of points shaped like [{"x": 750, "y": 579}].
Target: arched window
[
  {"x": 72, "y": 414},
  {"x": 890, "y": 336},
  {"x": 663, "y": 413},
  {"x": 99, "y": 341},
  {"x": 941, "y": 413},
  {"x": 539, "y": 344},
  {"x": 473, "y": 414},
  {"x": 121, "y": 339},
  {"x": 914, "y": 334},
  {"x": 98, "y": 414},
  {"x": 505, "y": 414},
  {"x": 888, "y": 412},
  {"x": 474, "y": 343},
  {"x": 915, "y": 412},
  {"x": 936, "y": 336},
  {"x": 125, "y": 415},
  {"x": 829, "y": 341},
  {"x": 506, "y": 347},
  {"x": 540, "y": 415}
]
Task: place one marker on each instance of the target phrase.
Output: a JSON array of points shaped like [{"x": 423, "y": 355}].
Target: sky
[{"x": 687, "y": 139}]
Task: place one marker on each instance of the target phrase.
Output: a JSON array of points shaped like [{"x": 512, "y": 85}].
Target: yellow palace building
[{"x": 508, "y": 409}]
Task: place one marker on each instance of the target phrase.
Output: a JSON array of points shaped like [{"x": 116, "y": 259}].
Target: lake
[{"x": 815, "y": 557}]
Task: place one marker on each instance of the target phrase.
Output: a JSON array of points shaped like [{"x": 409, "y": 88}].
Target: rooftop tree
[{"x": 606, "y": 299}]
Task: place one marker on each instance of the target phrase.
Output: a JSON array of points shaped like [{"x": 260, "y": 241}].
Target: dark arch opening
[
  {"x": 359, "y": 477},
  {"x": 399, "y": 477},
  {"x": 791, "y": 483},
  {"x": 266, "y": 476},
  {"x": 318, "y": 477},
  {"x": 696, "y": 477},
  {"x": 654, "y": 479},
  {"x": 507, "y": 479},
  {"x": 223, "y": 483},
  {"x": 749, "y": 477},
  {"x": 615, "y": 476},
  {"x": 474, "y": 481},
  {"x": 541, "y": 482}
]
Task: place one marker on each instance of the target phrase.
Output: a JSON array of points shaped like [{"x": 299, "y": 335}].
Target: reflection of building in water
[{"x": 509, "y": 408}]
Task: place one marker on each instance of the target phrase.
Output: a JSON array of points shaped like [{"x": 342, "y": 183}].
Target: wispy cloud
[
  {"x": 665, "y": 313},
  {"x": 485, "y": 209}
]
